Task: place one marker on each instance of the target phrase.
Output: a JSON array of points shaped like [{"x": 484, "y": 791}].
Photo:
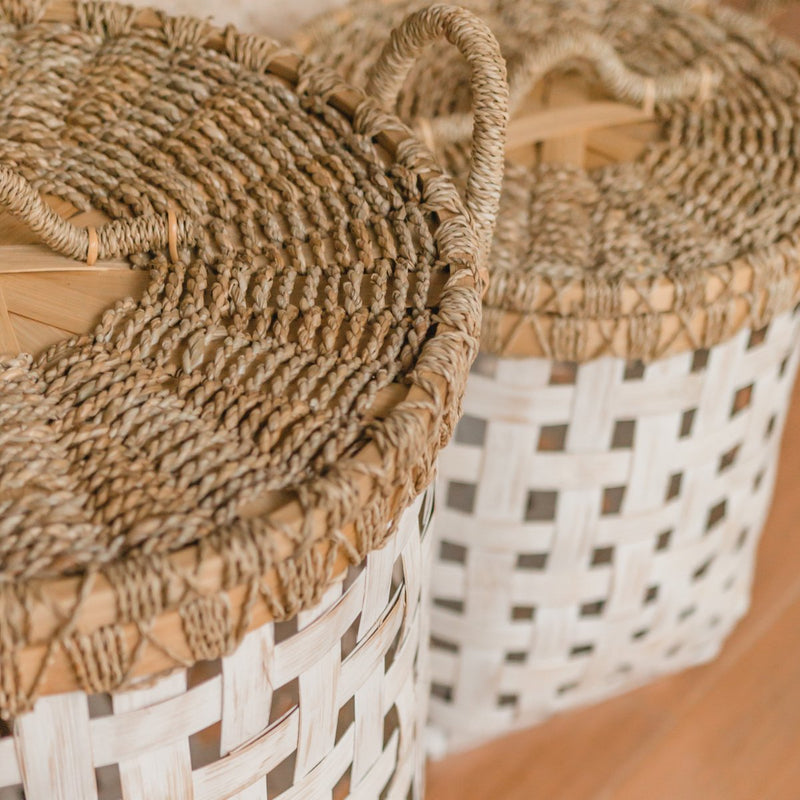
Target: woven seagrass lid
[
  {"x": 249, "y": 376},
  {"x": 651, "y": 202}
]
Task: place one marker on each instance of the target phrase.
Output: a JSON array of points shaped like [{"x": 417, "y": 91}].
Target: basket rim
[
  {"x": 86, "y": 604},
  {"x": 583, "y": 318}
]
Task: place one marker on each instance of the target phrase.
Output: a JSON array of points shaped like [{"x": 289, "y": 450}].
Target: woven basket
[
  {"x": 602, "y": 501},
  {"x": 215, "y": 430},
  {"x": 327, "y": 704}
]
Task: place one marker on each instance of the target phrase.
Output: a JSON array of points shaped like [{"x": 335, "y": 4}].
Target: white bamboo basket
[
  {"x": 329, "y": 704},
  {"x": 238, "y": 306},
  {"x": 601, "y": 504},
  {"x": 625, "y": 503}
]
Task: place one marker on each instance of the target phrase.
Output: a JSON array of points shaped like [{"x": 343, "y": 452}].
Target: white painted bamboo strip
[
  {"x": 247, "y": 698},
  {"x": 331, "y": 730},
  {"x": 55, "y": 757},
  {"x": 415, "y": 587},
  {"x": 130, "y": 734},
  {"x": 645, "y": 480},
  {"x": 402, "y": 667},
  {"x": 450, "y": 626},
  {"x": 504, "y": 466},
  {"x": 298, "y": 653},
  {"x": 9, "y": 768},
  {"x": 515, "y": 402},
  {"x": 368, "y": 732},
  {"x": 164, "y": 773},
  {"x": 575, "y": 528},
  {"x": 593, "y": 411},
  {"x": 318, "y": 781},
  {"x": 236, "y": 771},
  {"x": 369, "y": 785},
  {"x": 378, "y": 584},
  {"x": 319, "y": 687},
  {"x": 365, "y": 658},
  {"x": 406, "y": 705}
]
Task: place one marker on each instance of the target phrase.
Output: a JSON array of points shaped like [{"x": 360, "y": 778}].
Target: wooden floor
[{"x": 726, "y": 731}]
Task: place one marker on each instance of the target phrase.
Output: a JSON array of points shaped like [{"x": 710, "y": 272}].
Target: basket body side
[
  {"x": 599, "y": 525},
  {"x": 330, "y": 703}
]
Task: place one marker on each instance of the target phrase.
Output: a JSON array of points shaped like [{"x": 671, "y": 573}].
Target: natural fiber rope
[
  {"x": 678, "y": 249},
  {"x": 280, "y": 392},
  {"x": 116, "y": 239},
  {"x": 391, "y": 70},
  {"x": 622, "y": 82}
]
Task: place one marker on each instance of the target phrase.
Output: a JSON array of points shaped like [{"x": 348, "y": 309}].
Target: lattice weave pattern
[
  {"x": 330, "y": 704},
  {"x": 598, "y": 524}
]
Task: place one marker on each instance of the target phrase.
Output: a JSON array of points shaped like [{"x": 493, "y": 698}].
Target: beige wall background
[{"x": 278, "y": 18}]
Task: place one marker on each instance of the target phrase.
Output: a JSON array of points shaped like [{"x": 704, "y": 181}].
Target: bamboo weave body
[
  {"x": 598, "y": 525},
  {"x": 330, "y": 704}
]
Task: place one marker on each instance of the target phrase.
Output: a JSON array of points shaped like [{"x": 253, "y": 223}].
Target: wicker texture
[
  {"x": 213, "y": 455},
  {"x": 327, "y": 705},
  {"x": 681, "y": 247},
  {"x": 598, "y": 524}
]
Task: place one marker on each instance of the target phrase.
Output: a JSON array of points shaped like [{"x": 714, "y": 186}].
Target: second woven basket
[{"x": 604, "y": 495}]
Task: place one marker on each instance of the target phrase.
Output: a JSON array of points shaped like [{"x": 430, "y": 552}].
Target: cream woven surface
[
  {"x": 330, "y": 704},
  {"x": 598, "y": 524},
  {"x": 691, "y": 241}
]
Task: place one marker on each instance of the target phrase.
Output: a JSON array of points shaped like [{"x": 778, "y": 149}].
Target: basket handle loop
[
  {"x": 113, "y": 240},
  {"x": 489, "y": 96},
  {"x": 624, "y": 83}
]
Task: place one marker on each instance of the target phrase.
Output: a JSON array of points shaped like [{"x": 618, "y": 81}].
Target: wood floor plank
[{"x": 742, "y": 736}]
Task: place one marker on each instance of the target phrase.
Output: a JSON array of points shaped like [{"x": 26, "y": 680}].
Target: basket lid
[
  {"x": 635, "y": 233},
  {"x": 297, "y": 306}
]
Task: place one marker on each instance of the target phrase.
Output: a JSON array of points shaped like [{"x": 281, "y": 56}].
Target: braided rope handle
[
  {"x": 623, "y": 82},
  {"x": 112, "y": 240},
  {"x": 489, "y": 88}
]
